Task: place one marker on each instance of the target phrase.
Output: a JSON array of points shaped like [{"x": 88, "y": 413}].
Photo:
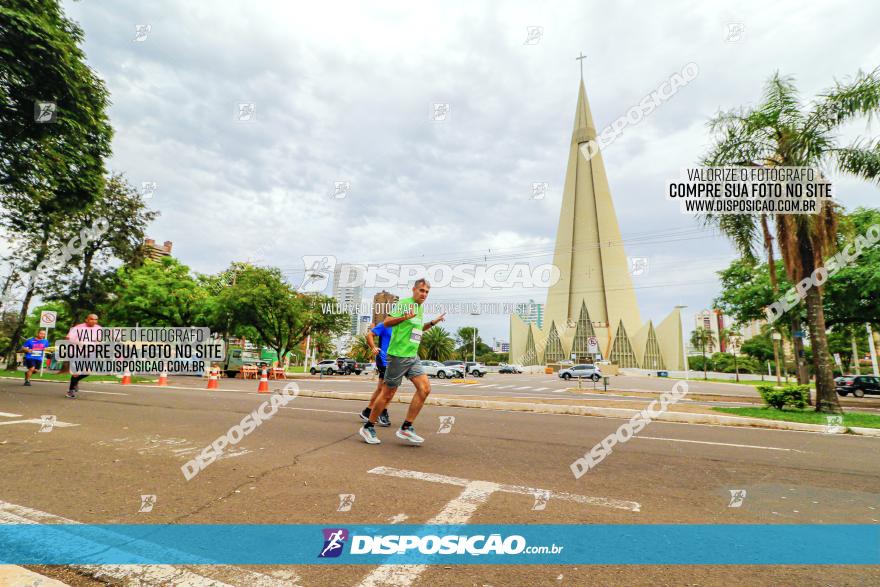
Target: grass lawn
[
  {"x": 299, "y": 369},
  {"x": 808, "y": 416},
  {"x": 771, "y": 381},
  {"x": 66, "y": 377}
]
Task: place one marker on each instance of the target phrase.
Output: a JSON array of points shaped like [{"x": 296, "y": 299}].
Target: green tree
[
  {"x": 262, "y": 301},
  {"x": 158, "y": 293},
  {"x": 759, "y": 347},
  {"x": 852, "y": 294},
  {"x": 780, "y": 132},
  {"x": 437, "y": 345},
  {"x": 360, "y": 350},
  {"x": 86, "y": 281},
  {"x": 60, "y": 163},
  {"x": 49, "y": 165}
]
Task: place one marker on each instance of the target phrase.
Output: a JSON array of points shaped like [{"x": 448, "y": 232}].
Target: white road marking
[
  {"x": 57, "y": 424},
  {"x": 8, "y": 415},
  {"x": 541, "y": 388},
  {"x": 147, "y": 575},
  {"x": 459, "y": 511},
  {"x": 505, "y": 386},
  {"x": 718, "y": 443},
  {"x": 524, "y": 387},
  {"x": 519, "y": 489},
  {"x": 490, "y": 385}
]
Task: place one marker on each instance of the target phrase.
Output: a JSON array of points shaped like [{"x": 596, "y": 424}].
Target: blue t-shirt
[
  {"x": 35, "y": 346},
  {"x": 384, "y": 334}
]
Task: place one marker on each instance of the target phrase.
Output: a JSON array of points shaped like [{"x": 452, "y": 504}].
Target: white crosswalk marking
[
  {"x": 541, "y": 388},
  {"x": 149, "y": 575},
  {"x": 523, "y": 387},
  {"x": 460, "y": 510}
]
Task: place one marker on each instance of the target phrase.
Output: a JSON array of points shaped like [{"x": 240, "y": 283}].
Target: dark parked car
[
  {"x": 510, "y": 369},
  {"x": 858, "y": 385}
]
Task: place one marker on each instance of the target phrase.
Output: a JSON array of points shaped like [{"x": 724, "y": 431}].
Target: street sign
[
  {"x": 798, "y": 333},
  {"x": 592, "y": 345},
  {"x": 47, "y": 319},
  {"x": 837, "y": 358},
  {"x": 574, "y": 356}
]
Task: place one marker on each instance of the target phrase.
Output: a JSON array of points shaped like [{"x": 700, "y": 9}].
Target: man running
[
  {"x": 84, "y": 332},
  {"x": 407, "y": 323},
  {"x": 381, "y": 354},
  {"x": 33, "y": 356}
]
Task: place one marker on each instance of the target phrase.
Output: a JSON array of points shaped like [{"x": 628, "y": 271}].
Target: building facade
[
  {"x": 348, "y": 297},
  {"x": 593, "y": 304},
  {"x": 531, "y": 313}
]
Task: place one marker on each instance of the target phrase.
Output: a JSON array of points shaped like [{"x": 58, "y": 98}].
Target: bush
[{"x": 790, "y": 395}]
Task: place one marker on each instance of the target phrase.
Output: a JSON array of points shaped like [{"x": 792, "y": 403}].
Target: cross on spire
[{"x": 581, "y": 58}]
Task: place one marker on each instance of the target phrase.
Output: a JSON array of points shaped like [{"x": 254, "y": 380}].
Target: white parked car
[
  {"x": 475, "y": 369},
  {"x": 581, "y": 371},
  {"x": 439, "y": 370}
]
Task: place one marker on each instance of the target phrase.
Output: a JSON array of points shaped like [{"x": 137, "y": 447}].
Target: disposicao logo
[{"x": 334, "y": 541}]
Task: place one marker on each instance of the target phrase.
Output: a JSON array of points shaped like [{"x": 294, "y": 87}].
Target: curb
[{"x": 623, "y": 413}]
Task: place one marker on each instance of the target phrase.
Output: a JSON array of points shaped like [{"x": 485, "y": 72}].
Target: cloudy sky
[{"x": 344, "y": 92}]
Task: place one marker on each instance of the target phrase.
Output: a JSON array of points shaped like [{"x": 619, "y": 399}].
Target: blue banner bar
[{"x": 629, "y": 544}]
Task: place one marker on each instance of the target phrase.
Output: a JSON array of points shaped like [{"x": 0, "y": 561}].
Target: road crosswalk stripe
[{"x": 148, "y": 575}]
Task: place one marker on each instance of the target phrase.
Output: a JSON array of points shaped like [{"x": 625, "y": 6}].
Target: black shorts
[
  {"x": 32, "y": 363},
  {"x": 380, "y": 367}
]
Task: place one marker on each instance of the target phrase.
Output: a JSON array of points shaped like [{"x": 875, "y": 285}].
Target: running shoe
[
  {"x": 384, "y": 419},
  {"x": 365, "y": 415},
  {"x": 27, "y": 383},
  {"x": 410, "y": 435},
  {"x": 368, "y": 433},
  {"x": 71, "y": 394}
]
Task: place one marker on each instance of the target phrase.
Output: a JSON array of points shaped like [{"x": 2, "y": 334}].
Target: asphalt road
[{"x": 117, "y": 443}]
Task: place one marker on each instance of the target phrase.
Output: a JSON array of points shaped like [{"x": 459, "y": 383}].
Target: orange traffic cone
[
  {"x": 163, "y": 379},
  {"x": 213, "y": 379},
  {"x": 264, "y": 382},
  {"x": 126, "y": 378}
]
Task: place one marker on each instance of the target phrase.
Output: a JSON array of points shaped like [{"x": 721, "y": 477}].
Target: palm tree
[
  {"x": 781, "y": 132},
  {"x": 360, "y": 350},
  {"x": 437, "y": 345},
  {"x": 699, "y": 337},
  {"x": 730, "y": 336}
]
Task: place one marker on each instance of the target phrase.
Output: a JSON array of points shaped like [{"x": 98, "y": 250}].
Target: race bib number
[
  {"x": 415, "y": 335},
  {"x": 37, "y": 352}
]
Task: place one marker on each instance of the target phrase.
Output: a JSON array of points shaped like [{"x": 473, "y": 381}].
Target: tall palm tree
[
  {"x": 782, "y": 132},
  {"x": 437, "y": 345},
  {"x": 699, "y": 337}
]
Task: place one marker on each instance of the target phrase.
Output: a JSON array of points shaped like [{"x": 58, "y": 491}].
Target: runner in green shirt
[{"x": 406, "y": 320}]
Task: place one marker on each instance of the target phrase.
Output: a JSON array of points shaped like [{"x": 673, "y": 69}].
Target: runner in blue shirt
[
  {"x": 33, "y": 357},
  {"x": 381, "y": 354}
]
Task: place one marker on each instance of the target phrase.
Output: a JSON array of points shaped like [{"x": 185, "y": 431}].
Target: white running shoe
[
  {"x": 368, "y": 433},
  {"x": 410, "y": 435}
]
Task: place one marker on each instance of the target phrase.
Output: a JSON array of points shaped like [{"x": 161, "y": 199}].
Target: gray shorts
[{"x": 400, "y": 367}]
